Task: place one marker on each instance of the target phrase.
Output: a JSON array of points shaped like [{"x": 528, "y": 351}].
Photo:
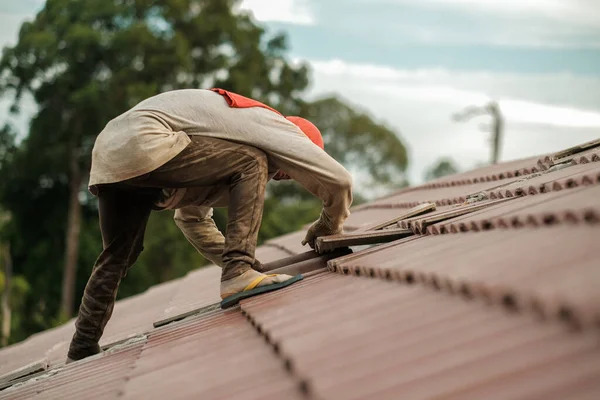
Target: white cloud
[
  {"x": 513, "y": 110},
  {"x": 521, "y": 23},
  {"x": 9, "y": 28},
  {"x": 289, "y": 11},
  {"x": 528, "y": 112},
  {"x": 552, "y": 88},
  {"x": 533, "y": 33},
  {"x": 11, "y": 18},
  {"x": 586, "y": 11},
  {"x": 543, "y": 113}
]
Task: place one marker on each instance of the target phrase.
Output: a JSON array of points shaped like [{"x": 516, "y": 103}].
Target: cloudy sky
[{"x": 412, "y": 63}]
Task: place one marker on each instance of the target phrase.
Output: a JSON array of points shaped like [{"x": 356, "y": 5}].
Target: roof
[{"x": 493, "y": 295}]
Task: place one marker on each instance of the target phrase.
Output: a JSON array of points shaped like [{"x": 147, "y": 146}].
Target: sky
[{"x": 411, "y": 64}]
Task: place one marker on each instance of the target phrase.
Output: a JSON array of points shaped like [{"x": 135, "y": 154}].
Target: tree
[
  {"x": 443, "y": 167},
  {"x": 371, "y": 150},
  {"x": 12, "y": 288},
  {"x": 6, "y": 286},
  {"x": 85, "y": 65}
]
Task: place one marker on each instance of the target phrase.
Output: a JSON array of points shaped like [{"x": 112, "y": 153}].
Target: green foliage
[
  {"x": 372, "y": 151},
  {"x": 442, "y": 167},
  {"x": 19, "y": 290},
  {"x": 7, "y": 146},
  {"x": 85, "y": 63},
  {"x": 281, "y": 216}
]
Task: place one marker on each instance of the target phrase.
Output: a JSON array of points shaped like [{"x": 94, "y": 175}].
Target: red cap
[{"x": 309, "y": 130}]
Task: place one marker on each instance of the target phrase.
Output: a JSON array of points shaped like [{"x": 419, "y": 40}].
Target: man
[{"x": 192, "y": 150}]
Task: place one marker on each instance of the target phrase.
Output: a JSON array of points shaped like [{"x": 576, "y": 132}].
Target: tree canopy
[
  {"x": 85, "y": 63},
  {"x": 443, "y": 167}
]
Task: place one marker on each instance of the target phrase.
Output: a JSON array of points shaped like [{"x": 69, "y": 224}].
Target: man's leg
[
  {"x": 208, "y": 162},
  {"x": 245, "y": 211},
  {"x": 123, "y": 218}
]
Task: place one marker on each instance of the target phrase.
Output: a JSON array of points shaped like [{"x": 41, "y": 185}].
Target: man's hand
[{"x": 318, "y": 229}]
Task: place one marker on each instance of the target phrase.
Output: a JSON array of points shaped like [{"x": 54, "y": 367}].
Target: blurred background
[{"x": 404, "y": 91}]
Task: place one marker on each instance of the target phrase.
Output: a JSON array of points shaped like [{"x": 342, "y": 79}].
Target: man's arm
[
  {"x": 200, "y": 230},
  {"x": 292, "y": 152}
]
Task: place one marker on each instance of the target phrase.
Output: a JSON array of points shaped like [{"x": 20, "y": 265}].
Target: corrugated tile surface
[
  {"x": 592, "y": 155},
  {"x": 573, "y": 153},
  {"x": 579, "y": 205},
  {"x": 439, "y": 196},
  {"x": 136, "y": 314},
  {"x": 553, "y": 271},
  {"x": 291, "y": 243},
  {"x": 198, "y": 289},
  {"x": 215, "y": 356},
  {"x": 267, "y": 253},
  {"x": 32, "y": 350},
  {"x": 566, "y": 178},
  {"x": 361, "y": 218},
  {"x": 506, "y": 307},
  {"x": 494, "y": 172},
  {"x": 418, "y": 224},
  {"x": 131, "y": 317},
  {"x": 573, "y": 176},
  {"x": 100, "y": 378},
  {"x": 385, "y": 340}
]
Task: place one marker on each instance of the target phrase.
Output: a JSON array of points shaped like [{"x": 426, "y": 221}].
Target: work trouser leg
[
  {"x": 123, "y": 218},
  {"x": 215, "y": 162}
]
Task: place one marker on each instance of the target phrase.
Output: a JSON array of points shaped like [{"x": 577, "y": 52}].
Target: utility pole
[{"x": 496, "y": 127}]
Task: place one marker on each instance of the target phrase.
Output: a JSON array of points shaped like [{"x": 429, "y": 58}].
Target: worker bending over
[{"x": 191, "y": 150}]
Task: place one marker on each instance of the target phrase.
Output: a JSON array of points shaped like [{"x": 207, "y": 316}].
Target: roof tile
[
  {"x": 523, "y": 268},
  {"x": 489, "y": 173},
  {"x": 198, "y": 289},
  {"x": 377, "y": 339},
  {"x": 486, "y": 312},
  {"x": 214, "y": 356},
  {"x": 579, "y": 205}
]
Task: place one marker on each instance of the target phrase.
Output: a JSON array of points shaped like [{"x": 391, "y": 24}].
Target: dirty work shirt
[{"x": 157, "y": 129}]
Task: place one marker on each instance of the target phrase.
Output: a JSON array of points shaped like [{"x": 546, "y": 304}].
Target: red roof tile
[
  {"x": 195, "y": 291},
  {"x": 100, "y": 378},
  {"x": 377, "y": 339},
  {"x": 366, "y": 217},
  {"x": 440, "y": 196},
  {"x": 570, "y": 206},
  {"x": 497, "y": 301},
  {"x": 494, "y": 172},
  {"x": 290, "y": 243},
  {"x": 552, "y": 270},
  {"x": 136, "y": 314},
  {"x": 218, "y": 355},
  {"x": 267, "y": 253}
]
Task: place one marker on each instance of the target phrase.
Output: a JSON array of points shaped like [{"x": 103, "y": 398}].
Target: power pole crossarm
[{"x": 496, "y": 127}]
